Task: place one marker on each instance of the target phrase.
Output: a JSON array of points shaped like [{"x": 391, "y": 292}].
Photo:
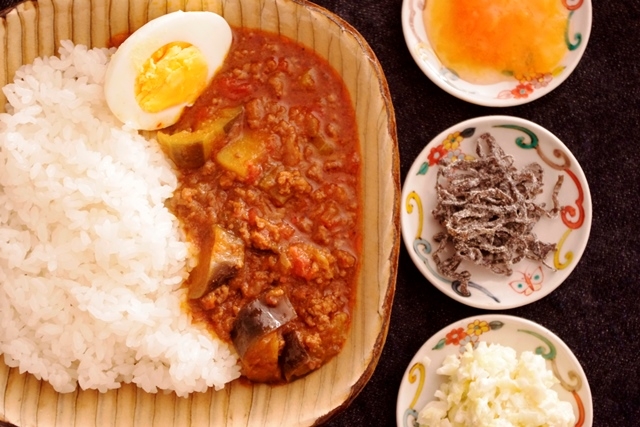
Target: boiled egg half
[{"x": 164, "y": 66}]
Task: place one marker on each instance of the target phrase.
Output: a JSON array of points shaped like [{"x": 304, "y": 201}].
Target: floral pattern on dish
[
  {"x": 514, "y": 90},
  {"x": 525, "y": 142},
  {"x": 461, "y": 336},
  {"x": 529, "y": 84},
  {"x": 420, "y": 380}
]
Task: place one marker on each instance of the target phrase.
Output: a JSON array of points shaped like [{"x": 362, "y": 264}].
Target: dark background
[{"x": 595, "y": 112}]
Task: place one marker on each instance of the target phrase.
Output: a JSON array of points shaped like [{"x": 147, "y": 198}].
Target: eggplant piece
[
  {"x": 221, "y": 256},
  {"x": 227, "y": 255},
  {"x": 190, "y": 149},
  {"x": 261, "y": 362},
  {"x": 295, "y": 360},
  {"x": 260, "y": 317},
  {"x": 241, "y": 153}
]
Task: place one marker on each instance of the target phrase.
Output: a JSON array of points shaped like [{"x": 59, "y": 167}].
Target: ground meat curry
[{"x": 270, "y": 196}]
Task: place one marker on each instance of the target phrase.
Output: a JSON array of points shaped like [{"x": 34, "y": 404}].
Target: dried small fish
[{"x": 488, "y": 211}]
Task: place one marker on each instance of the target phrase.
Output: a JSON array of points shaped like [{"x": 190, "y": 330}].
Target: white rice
[{"x": 91, "y": 261}]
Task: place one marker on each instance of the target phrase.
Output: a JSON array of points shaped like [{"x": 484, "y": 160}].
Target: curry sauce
[{"x": 274, "y": 209}]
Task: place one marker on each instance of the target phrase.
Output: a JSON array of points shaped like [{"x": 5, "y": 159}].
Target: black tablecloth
[{"x": 595, "y": 113}]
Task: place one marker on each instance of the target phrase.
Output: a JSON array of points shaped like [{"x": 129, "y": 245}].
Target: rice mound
[{"x": 91, "y": 261}]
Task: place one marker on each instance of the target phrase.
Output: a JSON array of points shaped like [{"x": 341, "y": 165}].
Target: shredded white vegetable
[{"x": 489, "y": 386}]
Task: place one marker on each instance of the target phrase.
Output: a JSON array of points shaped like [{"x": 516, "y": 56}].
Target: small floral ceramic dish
[
  {"x": 420, "y": 380},
  {"x": 526, "y": 142},
  {"x": 511, "y": 91}
]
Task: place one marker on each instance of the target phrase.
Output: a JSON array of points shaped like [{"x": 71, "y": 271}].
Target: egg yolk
[
  {"x": 174, "y": 74},
  {"x": 485, "y": 40}
]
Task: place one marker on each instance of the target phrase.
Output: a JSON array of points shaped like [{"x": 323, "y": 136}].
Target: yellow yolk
[
  {"x": 484, "y": 41},
  {"x": 176, "y": 73},
  {"x": 163, "y": 66}
]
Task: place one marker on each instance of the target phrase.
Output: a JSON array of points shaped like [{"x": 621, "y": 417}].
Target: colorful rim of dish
[
  {"x": 420, "y": 380},
  {"x": 511, "y": 91},
  {"x": 570, "y": 230}
]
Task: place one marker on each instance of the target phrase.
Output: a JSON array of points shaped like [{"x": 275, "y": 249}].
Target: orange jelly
[{"x": 484, "y": 41}]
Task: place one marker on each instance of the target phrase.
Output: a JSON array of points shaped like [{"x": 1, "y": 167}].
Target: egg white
[{"x": 207, "y": 31}]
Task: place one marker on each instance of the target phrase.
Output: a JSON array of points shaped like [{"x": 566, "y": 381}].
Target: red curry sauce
[{"x": 290, "y": 209}]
